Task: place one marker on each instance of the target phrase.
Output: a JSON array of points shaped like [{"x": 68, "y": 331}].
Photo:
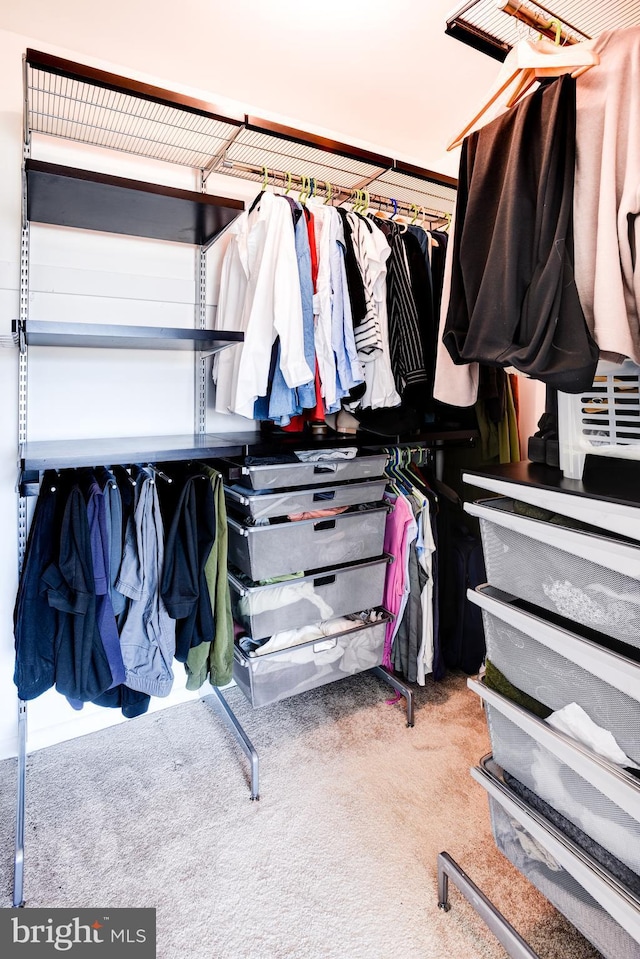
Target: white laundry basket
[{"x": 604, "y": 420}]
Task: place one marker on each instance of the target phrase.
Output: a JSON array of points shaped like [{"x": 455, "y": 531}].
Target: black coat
[{"x": 513, "y": 297}]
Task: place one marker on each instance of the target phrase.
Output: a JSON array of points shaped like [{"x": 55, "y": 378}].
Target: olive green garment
[
  {"x": 496, "y": 680},
  {"x": 214, "y": 660}
]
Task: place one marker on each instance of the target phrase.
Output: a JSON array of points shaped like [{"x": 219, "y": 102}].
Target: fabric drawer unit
[
  {"x": 273, "y": 676},
  {"x": 265, "y": 552},
  {"x": 557, "y": 667},
  {"x": 261, "y": 505},
  {"x": 597, "y": 796},
  {"x": 586, "y": 577},
  {"x": 266, "y": 609},
  {"x": 598, "y": 905},
  {"x": 283, "y": 475}
]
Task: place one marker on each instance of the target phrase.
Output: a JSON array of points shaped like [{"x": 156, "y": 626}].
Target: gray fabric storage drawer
[
  {"x": 585, "y": 577},
  {"x": 557, "y": 667},
  {"x": 264, "y": 610},
  {"x": 287, "y": 672},
  {"x": 264, "y": 552},
  {"x": 599, "y": 906},
  {"x": 597, "y": 796},
  {"x": 292, "y": 501},
  {"x": 282, "y": 475}
]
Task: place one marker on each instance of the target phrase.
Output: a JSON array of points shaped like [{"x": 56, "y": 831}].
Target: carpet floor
[{"x": 336, "y": 861}]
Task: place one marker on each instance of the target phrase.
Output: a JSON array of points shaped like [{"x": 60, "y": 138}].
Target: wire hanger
[{"x": 527, "y": 62}]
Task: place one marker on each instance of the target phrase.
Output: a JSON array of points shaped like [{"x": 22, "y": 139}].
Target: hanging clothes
[
  {"x": 606, "y": 201},
  {"x": 35, "y": 621},
  {"x": 148, "y": 634},
  {"x": 213, "y": 659},
  {"x": 513, "y": 299},
  {"x": 82, "y": 670},
  {"x": 260, "y": 296}
]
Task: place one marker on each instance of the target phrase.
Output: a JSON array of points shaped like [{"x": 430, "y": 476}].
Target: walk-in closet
[{"x": 320, "y": 371}]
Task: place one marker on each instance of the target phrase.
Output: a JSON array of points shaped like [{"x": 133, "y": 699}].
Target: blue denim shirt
[{"x": 283, "y": 402}]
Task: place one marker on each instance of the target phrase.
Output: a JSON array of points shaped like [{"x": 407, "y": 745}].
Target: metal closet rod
[
  {"x": 302, "y": 183},
  {"x": 545, "y": 22}
]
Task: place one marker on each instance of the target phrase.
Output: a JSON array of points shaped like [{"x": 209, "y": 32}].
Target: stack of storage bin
[
  {"x": 340, "y": 558},
  {"x": 562, "y": 625}
]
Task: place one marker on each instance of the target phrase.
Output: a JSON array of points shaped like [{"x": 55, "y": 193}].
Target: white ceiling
[{"x": 379, "y": 72}]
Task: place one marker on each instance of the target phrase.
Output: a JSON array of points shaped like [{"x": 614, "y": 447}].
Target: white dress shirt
[{"x": 260, "y": 296}]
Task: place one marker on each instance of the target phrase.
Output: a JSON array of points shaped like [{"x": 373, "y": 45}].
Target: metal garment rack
[{"x": 72, "y": 101}]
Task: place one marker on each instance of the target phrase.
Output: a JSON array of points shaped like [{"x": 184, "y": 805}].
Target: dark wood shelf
[
  {"x": 107, "y": 336},
  {"x": 66, "y": 454},
  {"x": 605, "y": 478},
  {"x": 68, "y": 196}
]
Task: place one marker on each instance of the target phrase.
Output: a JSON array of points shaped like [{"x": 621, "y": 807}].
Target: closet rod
[
  {"x": 543, "y": 22},
  {"x": 298, "y": 182}
]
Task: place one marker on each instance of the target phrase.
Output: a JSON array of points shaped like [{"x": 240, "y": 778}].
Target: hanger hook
[
  {"x": 554, "y": 22},
  {"x": 289, "y": 183},
  {"x": 394, "y": 203},
  {"x": 329, "y": 190}
]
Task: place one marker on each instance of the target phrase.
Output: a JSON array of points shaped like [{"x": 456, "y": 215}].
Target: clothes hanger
[{"x": 527, "y": 62}]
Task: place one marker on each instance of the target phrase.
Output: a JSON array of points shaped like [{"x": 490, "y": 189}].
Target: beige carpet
[{"x": 336, "y": 861}]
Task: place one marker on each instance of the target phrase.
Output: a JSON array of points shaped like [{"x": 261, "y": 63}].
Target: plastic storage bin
[
  {"x": 557, "y": 667},
  {"x": 282, "y": 475},
  {"x": 264, "y": 610},
  {"x": 603, "y": 910},
  {"x": 260, "y": 505},
  {"x": 583, "y": 576},
  {"x": 603, "y": 420},
  {"x": 264, "y": 552},
  {"x": 273, "y": 676},
  {"x": 597, "y": 796}
]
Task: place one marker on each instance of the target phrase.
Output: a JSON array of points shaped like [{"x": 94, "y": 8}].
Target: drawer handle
[
  {"x": 326, "y": 495},
  {"x": 324, "y": 644},
  {"x": 325, "y": 524},
  {"x": 324, "y": 580},
  {"x": 327, "y": 468}
]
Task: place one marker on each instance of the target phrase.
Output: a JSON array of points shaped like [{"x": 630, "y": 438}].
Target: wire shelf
[
  {"x": 484, "y": 22},
  {"x": 80, "y": 103}
]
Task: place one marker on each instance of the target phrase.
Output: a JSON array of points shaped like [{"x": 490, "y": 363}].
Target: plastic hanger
[
  {"x": 289, "y": 183},
  {"x": 527, "y": 62}
]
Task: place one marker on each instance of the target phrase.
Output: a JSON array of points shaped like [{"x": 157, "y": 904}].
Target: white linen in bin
[
  {"x": 559, "y": 887},
  {"x": 577, "y": 588},
  {"x": 278, "y": 596},
  {"x": 287, "y": 672},
  {"x": 573, "y": 721},
  {"x": 563, "y": 789}
]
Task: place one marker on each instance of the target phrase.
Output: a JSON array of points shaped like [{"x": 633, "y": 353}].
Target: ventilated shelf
[
  {"x": 494, "y": 26},
  {"x": 77, "y": 102}
]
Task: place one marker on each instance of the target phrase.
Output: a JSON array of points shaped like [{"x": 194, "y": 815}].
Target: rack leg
[
  {"x": 399, "y": 686},
  {"x": 504, "y": 932},
  {"x": 239, "y": 733},
  {"x": 18, "y": 863}
]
